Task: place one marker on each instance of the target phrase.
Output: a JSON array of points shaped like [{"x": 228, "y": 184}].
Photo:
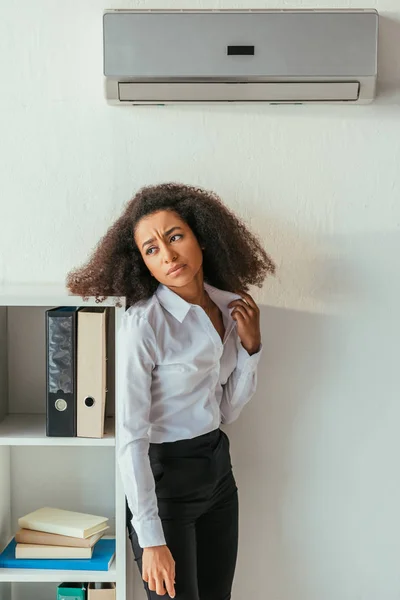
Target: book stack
[
  {"x": 60, "y": 539},
  {"x": 55, "y": 533}
]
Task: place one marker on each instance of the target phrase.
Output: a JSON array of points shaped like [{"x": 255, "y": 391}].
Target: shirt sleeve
[
  {"x": 241, "y": 384},
  {"x": 136, "y": 345}
]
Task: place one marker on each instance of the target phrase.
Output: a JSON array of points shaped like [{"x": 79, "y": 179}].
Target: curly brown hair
[{"x": 233, "y": 257}]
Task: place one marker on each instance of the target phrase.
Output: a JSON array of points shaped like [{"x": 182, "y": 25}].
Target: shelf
[
  {"x": 73, "y": 473},
  {"x": 47, "y": 294},
  {"x": 44, "y": 575},
  {"x": 30, "y": 430}
]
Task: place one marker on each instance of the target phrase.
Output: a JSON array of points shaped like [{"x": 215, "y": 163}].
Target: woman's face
[{"x": 169, "y": 248}]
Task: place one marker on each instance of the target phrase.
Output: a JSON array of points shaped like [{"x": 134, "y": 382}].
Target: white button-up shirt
[{"x": 176, "y": 380}]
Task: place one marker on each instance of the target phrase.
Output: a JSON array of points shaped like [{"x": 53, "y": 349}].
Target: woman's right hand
[{"x": 158, "y": 570}]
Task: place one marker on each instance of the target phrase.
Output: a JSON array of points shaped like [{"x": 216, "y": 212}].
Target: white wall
[{"x": 316, "y": 453}]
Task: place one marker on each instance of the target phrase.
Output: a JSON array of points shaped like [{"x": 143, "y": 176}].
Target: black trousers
[{"x": 198, "y": 506}]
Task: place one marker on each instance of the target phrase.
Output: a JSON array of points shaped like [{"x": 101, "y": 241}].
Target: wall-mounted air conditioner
[{"x": 272, "y": 56}]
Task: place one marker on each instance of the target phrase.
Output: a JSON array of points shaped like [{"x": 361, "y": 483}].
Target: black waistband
[{"x": 188, "y": 447}]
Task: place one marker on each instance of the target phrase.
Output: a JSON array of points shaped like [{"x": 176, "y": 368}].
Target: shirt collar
[{"x": 179, "y": 308}]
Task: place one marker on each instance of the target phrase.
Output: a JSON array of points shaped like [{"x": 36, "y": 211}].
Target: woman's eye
[{"x": 175, "y": 237}]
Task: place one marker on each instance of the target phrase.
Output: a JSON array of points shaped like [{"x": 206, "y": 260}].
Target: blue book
[{"x": 103, "y": 554}]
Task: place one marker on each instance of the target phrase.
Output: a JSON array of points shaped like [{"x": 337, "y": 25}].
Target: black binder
[{"x": 61, "y": 326}]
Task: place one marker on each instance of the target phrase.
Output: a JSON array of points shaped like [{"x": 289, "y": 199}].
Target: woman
[{"x": 189, "y": 345}]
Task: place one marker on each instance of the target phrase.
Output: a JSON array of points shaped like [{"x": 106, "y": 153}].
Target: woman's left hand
[{"x": 247, "y": 316}]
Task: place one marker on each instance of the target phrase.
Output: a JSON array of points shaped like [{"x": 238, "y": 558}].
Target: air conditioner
[{"x": 270, "y": 56}]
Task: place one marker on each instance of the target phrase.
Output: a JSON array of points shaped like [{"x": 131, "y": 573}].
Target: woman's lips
[{"x": 175, "y": 271}]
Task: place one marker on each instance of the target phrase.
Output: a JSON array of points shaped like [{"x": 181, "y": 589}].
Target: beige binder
[
  {"x": 101, "y": 591},
  {"x": 91, "y": 371}
]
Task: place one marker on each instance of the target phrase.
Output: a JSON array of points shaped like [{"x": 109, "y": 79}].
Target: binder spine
[{"x": 61, "y": 372}]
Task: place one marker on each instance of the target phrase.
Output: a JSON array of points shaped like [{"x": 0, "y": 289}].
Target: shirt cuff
[
  {"x": 245, "y": 360},
  {"x": 150, "y": 533}
]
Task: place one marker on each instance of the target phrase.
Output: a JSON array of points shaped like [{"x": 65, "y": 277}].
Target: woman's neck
[{"x": 193, "y": 292}]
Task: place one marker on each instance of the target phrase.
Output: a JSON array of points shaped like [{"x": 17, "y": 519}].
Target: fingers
[
  {"x": 246, "y": 309},
  {"x": 169, "y": 584},
  {"x": 248, "y": 299},
  {"x": 241, "y": 312},
  {"x": 156, "y": 584},
  {"x": 161, "y": 584},
  {"x": 160, "y": 589},
  {"x": 151, "y": 582},
  {"x": 239, "y": 318}
]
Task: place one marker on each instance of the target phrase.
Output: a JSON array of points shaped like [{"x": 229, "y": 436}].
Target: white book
[
  {"x": 44, "y": 552},
  {"x": 63, "y": 522},
  {"x": 30, "y": 536}
]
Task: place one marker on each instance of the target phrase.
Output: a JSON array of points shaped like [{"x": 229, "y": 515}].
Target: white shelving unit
[{"x": 72, "y": 473}]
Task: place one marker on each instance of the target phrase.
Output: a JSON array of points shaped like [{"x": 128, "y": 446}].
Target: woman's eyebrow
[{"x": 151, "y": 240}]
